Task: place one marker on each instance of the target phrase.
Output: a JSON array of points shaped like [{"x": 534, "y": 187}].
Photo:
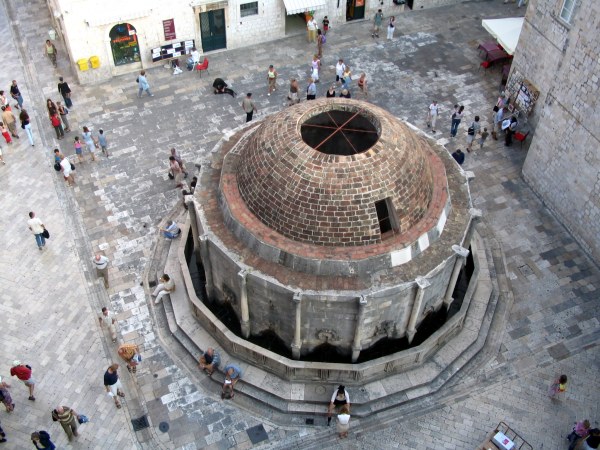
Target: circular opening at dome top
[{"x": 338, "y": 132}]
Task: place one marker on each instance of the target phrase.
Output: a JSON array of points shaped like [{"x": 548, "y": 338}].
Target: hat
[{"x": 16, "y": 363}]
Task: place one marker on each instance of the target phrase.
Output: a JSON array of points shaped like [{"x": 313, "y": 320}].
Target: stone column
[
  {"x": 244, "y": 304},
  {"x": 297, "y": 344},
  {"x": 475, "y": 218},
  {"x": 461, "y": 254},
  {"x": 189, "y": 201},
  {"x": 207, "y": 267},
  {"x": 358, "y": 330},
  {"x": 422, "y": 284}
]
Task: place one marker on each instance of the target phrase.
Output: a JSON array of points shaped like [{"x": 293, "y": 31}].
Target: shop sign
[{"x": 169, "y": 28}]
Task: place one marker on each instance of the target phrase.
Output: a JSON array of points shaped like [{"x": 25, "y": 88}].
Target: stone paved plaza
[{"x": 50, "y": 299}]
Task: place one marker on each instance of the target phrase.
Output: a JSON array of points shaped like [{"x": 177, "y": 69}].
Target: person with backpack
[
  {"x": 41, "y": 440},
  {"x": 472, "y": 131}
]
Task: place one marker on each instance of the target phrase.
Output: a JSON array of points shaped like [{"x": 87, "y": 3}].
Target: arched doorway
[{"x": 124, "y": 44}]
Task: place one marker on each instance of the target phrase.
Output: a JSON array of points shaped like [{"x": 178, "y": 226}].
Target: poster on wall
[
  {"x": 169, "y": 29},
  {"x": 173, "y": 50}
]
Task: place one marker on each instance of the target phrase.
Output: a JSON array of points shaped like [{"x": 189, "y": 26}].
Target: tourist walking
[
  {"x": 340, "y": 397},
  {"x": 65, "y": 92},
  {"x": 68, "y": 419},
  {"x": 233, "y": 373},
  {"x": 343, "y": 421},
  {"x": 113, "y": 385},
  {"x": 41, "y": 440},
  {"x": 362, "y": 84},
  {"x": 432, "y": 114},
  {"x": 340, "y": 67},
  {"x": 209, "y": 360},
  {"x": 143, "y": 85},
  {"x": 175, "y": 154},
  {"x": 37, "y": 228},
  {"x": 67, "y": 169},
  {"x": 315, "y": 67},
  {"x": 377, "y": 20},
  {"x": 51, "y": 107},
  {"x": 78, "y": 149},
  {"x": 5, "y": 133},
  {"x": 26, "y": 125},
  {"x": 176, "y": 171},
  {"x": 130, "y": 353},
  {"x": 165, "y": 287},
  {"x": 580, "y": 431},
  {"x": 391, "y": 28},
  {"x": 326, "y": 25},
  {"x": 103, "y": 142},
  {"x": 23, "y": 373},
  {"x": 484, "y": 136},
  {"x": 271, "y": 81},
  {"x": 248, "y": 106},
  {"x": 57, "y": 124},
  {"x": 10, "y": 121},
  {"x": 293, "y": 96},
  {"x": 88, "y": 139},
  {"x": 472, "y": 132},
  {"x": 346, "y": 78},
  {"x": 311, "y": 28},
  {"x": 63, "y": 112},
  {"x": 107, "y": 318},
  {"x": 311, "y": 90},
  {"x": 558, "y": 387},
  {"x": 2, "y": 434},
  {"x": 50, "y": 51},
  {"x": 101, "y": 264},
  {"x": 456, "y": 119},
  {"x": 320, "y": 42},
  {"x": 16, "y": 94},
  {"x": 5, "y": 396}
]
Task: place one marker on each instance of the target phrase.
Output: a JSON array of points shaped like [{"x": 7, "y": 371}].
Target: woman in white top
[
  {"x": 391, "y": 28},
  {"x": 340, "y": 397}
]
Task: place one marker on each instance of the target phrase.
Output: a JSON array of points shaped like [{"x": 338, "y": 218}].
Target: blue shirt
[
  {"x": 237, "y": 372},
  {"x": 102, "y": 140}
]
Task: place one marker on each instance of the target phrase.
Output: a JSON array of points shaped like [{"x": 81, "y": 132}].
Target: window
[
  {"x": 249, "y": 9},
  {"x": 567, "y": 10},
  {"x": 388, "y": 223}
]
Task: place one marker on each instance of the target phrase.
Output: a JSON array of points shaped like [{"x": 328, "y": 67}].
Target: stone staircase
[{"x": 260, "y": 388}]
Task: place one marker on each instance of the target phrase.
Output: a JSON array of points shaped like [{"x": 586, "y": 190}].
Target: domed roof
[{"x": 336, "y": 172}]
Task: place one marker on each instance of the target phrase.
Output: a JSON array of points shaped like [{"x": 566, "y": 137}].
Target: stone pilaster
[
  {"x": 356, "y": 347},
  {"x": 297, "y": 344},
  {"x": 244, "y": 304},
  {"x": 461, "y": 255},
  {"x": 422, "y": 284},
  {"x": 204, "y": 256}
]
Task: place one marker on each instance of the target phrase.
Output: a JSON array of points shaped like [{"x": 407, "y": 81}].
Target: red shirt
[{"x": 22, "y": 373}]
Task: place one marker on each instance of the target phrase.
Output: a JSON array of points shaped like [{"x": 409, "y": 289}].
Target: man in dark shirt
[
  {"x": 16, "y": 94},
  {"x": 459, "y": 157},
  {"x": 65, "y": 91},
  {"x": 220, "y": 87}
]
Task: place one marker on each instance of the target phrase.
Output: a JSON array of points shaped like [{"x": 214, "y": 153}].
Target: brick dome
[{"x": 336, "y": 172}]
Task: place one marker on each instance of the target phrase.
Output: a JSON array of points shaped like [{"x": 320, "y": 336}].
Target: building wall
[{"x": 563, "y": 163}]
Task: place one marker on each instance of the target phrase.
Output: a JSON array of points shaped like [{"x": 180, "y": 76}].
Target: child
[
  {"x": 558, "y": 386},
  {"x": 362, "y": 84},
  {"x": 340, "y": 68},
  {"x": 78, "y": 151},
  {"x": 102, "y": 142},
  {"x": 483, "y": 137},
  {"x": 5, "y": 133}
]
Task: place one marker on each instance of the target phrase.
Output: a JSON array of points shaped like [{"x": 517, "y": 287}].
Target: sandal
[
  {"x": 120, "y": 394},
  {"x": 118, "y": 405},
  {"x": 129, "y": 369}
]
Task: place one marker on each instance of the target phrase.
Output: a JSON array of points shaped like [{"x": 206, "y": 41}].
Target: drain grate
[
  {"x": 257, "y": 434},
  {"x": 163, "y": 426},
  {"x": 525, "y": 270},
  {"x": 140, "y": 423}
]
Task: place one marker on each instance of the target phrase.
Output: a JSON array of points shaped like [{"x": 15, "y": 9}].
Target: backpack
[{"x": 471, "y": 130}]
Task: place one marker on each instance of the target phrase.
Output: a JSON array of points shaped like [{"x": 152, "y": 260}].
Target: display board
[
  {"x": 173, "y": 50},
  {"x": 523, "y": 93}
]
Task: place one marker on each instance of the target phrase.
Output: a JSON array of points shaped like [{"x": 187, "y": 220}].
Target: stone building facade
[
  {"x": 111, "y": 38},
  {"x": 558, "y": 53}
]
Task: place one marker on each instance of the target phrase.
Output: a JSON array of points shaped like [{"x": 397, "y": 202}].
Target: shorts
[
  {"x": 30, "y": 382},
  {"x": 114, "y": 388},
  {"x": 78, "y": 150},
  {"x": 470, "y": 138}
]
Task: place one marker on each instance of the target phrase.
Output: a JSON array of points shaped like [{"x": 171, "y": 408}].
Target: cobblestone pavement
[{"x": 119, "y": 202}]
